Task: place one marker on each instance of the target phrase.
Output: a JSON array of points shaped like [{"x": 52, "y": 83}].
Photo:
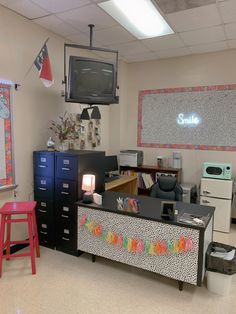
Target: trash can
[{"x": 220, "y": 265}]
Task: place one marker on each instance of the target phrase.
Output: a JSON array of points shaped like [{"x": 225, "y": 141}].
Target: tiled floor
[{"x": 66, "y": 284}]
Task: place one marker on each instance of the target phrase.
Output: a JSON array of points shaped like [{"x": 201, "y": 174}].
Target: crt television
[{"x": 91, "y": 81}]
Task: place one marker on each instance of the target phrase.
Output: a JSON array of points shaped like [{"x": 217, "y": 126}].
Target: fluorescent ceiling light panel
[{"x": 139, "y": 17}]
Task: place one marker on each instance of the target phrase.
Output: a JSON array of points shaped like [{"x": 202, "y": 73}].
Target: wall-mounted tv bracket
[{"x": 90, "y": 47}]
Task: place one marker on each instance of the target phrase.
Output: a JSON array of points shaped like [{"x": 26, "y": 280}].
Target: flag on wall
[{"x": 43, "y": 65}]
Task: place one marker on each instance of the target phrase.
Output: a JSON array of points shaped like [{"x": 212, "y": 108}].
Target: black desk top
[{"x": 150, "y": 208}]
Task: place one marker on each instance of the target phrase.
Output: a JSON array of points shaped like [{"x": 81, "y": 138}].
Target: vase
[{"x": 64, "y": 146}]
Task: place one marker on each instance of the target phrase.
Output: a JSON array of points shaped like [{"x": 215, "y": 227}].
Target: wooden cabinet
[{"x": 144, "y": 182}]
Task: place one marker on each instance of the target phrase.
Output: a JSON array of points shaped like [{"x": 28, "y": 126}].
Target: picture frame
[{"x": 168, "y": 210}]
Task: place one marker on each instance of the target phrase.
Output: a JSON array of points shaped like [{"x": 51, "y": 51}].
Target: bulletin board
[
  {"x": 6, "y": 145},
  {"x": 202, "y": 117}
]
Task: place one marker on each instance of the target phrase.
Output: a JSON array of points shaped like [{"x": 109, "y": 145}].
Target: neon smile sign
[{"x": 191, "y": 120}]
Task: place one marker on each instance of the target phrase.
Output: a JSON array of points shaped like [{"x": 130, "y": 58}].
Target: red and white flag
[{"x": 43, "y": 65}]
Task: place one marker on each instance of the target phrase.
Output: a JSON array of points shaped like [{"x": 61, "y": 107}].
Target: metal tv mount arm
[{"x": 90, "y": 47}]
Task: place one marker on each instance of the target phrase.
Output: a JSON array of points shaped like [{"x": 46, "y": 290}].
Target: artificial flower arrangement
[{"x": 66, "y": 128}]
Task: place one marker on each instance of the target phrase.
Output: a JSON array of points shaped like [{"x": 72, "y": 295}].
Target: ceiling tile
[
  {"x": 202, "y": 36},
  {"x": 232, "y": 43},
  {"x": 170, "y": 6},
  {"x": 172, "y": 53},
  {"x": 90, "y": 14},
  {"x": 164, "y": 42},
  {"x": 228, "y": 11},
  {"x": 113, "y": 35},
  {"x": 56, "y": 6},
  {"x": 82, "y": 39},
  {"x": 194, "y": 18},
  {"x": 230, "y": 30},
  {"x": 56, "y": 25},
  {"x": 130, "y": 48},
  {"x": 25, "y": 8},
  {"x": 216, "y": 46},
  {"x": 140, "y": 57}
]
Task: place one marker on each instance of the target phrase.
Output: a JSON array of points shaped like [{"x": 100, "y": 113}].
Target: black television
[{"x": 91, "y": 81}]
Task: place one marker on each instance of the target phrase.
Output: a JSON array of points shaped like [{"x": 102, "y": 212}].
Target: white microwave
[{"x": 217, "y": 170}]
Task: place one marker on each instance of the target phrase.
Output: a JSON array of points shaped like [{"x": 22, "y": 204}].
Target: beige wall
[
  {"x": 207, "y": 69},
  {"x": 33, "y": 105}
]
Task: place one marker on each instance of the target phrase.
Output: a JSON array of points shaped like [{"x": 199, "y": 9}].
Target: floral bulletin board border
[
  {"x": 6, "y": 149},
  {"x": 148, "y": 128}
]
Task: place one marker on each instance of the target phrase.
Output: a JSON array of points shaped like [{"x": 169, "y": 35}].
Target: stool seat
[
  {"x": 17, "y": 208},
  {"x": 14, "y": 208}
]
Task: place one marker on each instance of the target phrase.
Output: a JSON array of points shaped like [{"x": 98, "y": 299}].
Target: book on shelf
[{"x": 147, "y": 179}]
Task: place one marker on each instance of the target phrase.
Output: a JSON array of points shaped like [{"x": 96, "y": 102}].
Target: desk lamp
[{"x": 88, "y": 185}]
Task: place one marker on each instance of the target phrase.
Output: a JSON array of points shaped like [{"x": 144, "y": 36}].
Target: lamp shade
[
  {"x": 88, "y": 182},
  {"x": 95, "y": 113},
  {"x": 85, "y": 115}
]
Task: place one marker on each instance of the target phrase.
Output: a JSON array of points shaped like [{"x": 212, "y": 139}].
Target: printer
[{"x": 131, "y": 158}]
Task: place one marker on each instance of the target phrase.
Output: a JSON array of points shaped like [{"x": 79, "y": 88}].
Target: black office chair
[{"x": 167, "y": 188}]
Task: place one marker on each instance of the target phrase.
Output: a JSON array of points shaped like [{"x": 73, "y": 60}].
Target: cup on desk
[{"x": 160, "y": 161}]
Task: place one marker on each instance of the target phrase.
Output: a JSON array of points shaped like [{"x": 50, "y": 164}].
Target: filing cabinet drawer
[
  {"x": 44, "y": 164},
  {"x": 44, "y": 188},
  {"x": 45, "y": 210},
  {"x": 66, "y": 213},
  {"x": 46, "y": 232},
  {"x": 66, "y": 191},
  {"x": 67, "y": 167},
  {"x": 66, "y": 240}
]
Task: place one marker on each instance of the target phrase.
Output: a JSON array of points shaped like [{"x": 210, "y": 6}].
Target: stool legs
[
  {"x": 8, "y": 243},
  {"x": 31, "y": 241},
  {"x": 2, "y": 230},
  {"x": 36, "y": 239}
]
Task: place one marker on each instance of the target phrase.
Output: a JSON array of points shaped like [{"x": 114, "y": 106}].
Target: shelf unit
[{"x": 154, "y": 171}]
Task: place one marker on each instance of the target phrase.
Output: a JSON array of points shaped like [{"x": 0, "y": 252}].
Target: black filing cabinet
[
  {"x": 44, "y": 186},
  {"x": 57, "y": 187},
  {"x": 69, "y": 169}
]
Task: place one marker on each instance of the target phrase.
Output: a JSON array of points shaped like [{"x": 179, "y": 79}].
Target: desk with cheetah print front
[{"x": 168, "y": 247}]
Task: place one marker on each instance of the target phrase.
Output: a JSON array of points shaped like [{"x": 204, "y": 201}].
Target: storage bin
[{"x": 219, "y": 283}]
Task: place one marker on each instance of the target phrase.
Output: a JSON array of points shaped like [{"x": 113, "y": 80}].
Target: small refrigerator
[{"x": 218, "y": 193}]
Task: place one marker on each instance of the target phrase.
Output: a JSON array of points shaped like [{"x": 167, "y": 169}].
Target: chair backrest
[{"x": 168, "y": 188}]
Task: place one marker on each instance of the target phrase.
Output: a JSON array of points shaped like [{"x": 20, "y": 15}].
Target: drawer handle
[
  {"x": 64, "y": 216},
  {"x": 206, "y": 192},
  {"x": 43, "y": 189},
  {"x": 66, "y": 193},
  {"x": 42, "y": 211},
  {"x": 42, "y": 166},
  {"x": 65, "y": 169},
  {"x": 43, "y": 232},
  {"x": 205, "y": 202},
  {"x": 66, "y": 239}
]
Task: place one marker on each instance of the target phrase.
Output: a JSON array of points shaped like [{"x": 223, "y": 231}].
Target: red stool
[{"x": 16, "y": 208}]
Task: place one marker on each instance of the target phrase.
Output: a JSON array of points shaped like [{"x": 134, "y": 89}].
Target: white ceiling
[{"x": 200, "y": 26}]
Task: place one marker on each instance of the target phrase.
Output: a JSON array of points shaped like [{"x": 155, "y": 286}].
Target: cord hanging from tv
[{"x": 90, "y": 81}]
